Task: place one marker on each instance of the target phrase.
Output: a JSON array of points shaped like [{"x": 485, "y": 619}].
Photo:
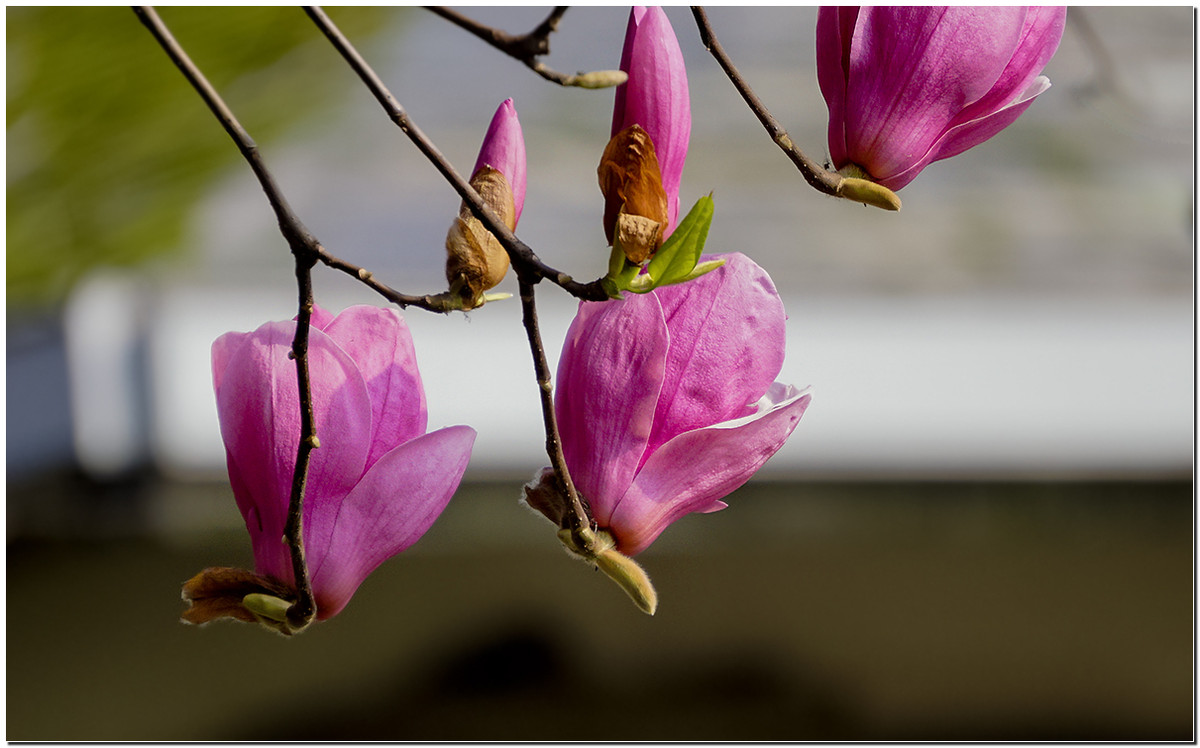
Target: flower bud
[
  {"x": 598, "y": 79},
  {"x": 598, "y": 548},
  {"x": 656, "y": 96},
  {"x": 476, "y": 261},
  {"x": 475, "y": 258}
]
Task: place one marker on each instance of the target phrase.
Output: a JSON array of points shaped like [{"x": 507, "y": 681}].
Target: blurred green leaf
[{"x": 109, "y": 147}]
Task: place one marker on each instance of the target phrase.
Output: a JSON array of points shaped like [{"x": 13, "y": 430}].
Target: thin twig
[
  {"x": 524, "y": 48},
  {"x": 305, "y": 249},
  {"x": 522, "y": 257},
  {"x": 441, "y": 303},
  {"x": 580, "y": 517},
  {"x": 816, "y": 175}
]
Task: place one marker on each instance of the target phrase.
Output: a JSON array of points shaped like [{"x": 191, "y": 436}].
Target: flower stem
[
  {"x": 301, "y": 613},
  {"x": 579, "y": 517}
]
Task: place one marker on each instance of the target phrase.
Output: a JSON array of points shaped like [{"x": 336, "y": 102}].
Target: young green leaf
[{"x": 677, "y": 257}]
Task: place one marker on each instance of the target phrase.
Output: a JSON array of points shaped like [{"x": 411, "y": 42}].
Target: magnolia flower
[
  {"x": 642, "y": 166},
  {"x": 907, "y": 86},
  {"x": 375, "y": 484},
  {"x": 667, "y": 401},
  {"x": 476, "y": 261}
]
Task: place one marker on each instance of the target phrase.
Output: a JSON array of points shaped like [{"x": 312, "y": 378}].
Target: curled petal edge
[{"x": 695, "y": 470}]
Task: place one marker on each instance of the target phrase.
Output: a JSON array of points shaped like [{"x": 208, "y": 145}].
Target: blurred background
[{"x": 982, "y": 529}]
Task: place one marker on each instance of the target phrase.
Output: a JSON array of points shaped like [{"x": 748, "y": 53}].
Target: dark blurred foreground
[{"x": 918, "y": 611}]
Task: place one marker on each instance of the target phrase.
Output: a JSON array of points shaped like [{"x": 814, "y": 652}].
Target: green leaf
[
  {"x": 674, "y": 262},
  {"x": 677, "y": 257}
]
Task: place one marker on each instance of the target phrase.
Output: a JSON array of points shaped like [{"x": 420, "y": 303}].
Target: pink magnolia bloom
[
  {"x": 907, "y": 86},
  {"x": 376, "y": 483},
  {"x": 503, "y": 149},
  {"x": 656, "y": 97},
  {"x": 667, "y": 401}
]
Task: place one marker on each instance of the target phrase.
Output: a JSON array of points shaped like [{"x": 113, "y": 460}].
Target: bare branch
[
  {"x": 816, "y": 175},
  {"x": 526, "y": 48},
  {"x": 306, "y": 250},
  {"x": 522, "y": 257}
]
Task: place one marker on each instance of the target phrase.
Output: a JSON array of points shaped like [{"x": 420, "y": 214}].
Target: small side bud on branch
[
  {"x": 477, "y": 261},
  {"x": 597, "y": 79},
  {"x": 868, "y": 192},
  {"x": 600, "y": 550}
]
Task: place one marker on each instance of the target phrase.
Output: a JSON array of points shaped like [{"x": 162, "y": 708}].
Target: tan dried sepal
[
  {"x": 475, "y": 258},
  {"x": 631, "y": 182},
  {"x": 217, "y": 592}
]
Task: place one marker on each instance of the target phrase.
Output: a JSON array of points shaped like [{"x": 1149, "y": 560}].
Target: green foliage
[
  {"x": 108, "y": 145},
  {"x": 674, "y": 262}
]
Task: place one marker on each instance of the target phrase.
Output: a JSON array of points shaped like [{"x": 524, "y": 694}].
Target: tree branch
[
  {"x": 815, "y": 174},
  {"x": 305, "y": 250},
  {"x": 522, "y": 257},
  {"x": 829, "y": 182},
  {"x": 526, "y": 48}
]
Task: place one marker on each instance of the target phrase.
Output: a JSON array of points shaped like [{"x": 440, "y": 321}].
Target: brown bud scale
[
  {"x": 476, "y": 260},
  {"x": 631, "y": 181}
]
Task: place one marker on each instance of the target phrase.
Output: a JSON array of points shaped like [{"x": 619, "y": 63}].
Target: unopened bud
[
  {"x": 630, "y": 577},
  {"x": 476, "y": 260},
  {"x": 866, "y": 191},
  {"x": 599, "y": 549},
  {"x": 267, "y": 606},
  {"x": 598, "y": 79}
]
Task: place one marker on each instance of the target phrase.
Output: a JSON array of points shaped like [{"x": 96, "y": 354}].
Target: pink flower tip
[
  {"x": 656, "y": 96},
  {"x": 503, "y": 149}
]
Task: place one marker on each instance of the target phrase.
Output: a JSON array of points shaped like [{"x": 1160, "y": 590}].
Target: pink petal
[
  {"x": 320, "y": 318},
  {"x": 727, "y": 346},
  {"x": 609, "y": 376},
  {"x": 503, "y": 149},
  {"x": 912, "y": 70},
  {"x": 694, "y": 470},
  {"x": 969, "y": 134},
  {"x": 258, "y": 408},
  {"x": 656, "y": 96},
  {"x": 835, "y": 29},
  {"x": 224, "y": 349},
  {"x": 1041, "y": 32},
  {"x": 380, "y": 344},
  {"x": 390, "y": 509}
]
